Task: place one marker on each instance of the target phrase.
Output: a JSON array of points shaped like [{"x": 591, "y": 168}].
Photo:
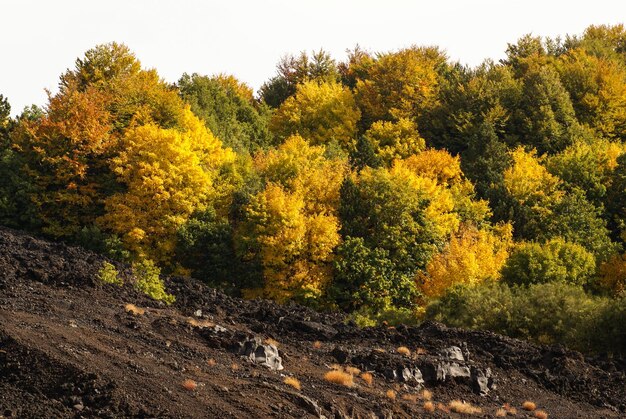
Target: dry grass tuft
[
  {"x": 458, "y": 406},
  {"x": 443, "y": 407},
  {"x": 429, "y": 406},
  {"x": 528, "y": 405},
  {"x": 391, "y": 394},
  {"x": 234, "y": 367},
  {"x": 421, "y": 351},
  {"x": 336, "y": 367},
  {"x": 353, "y": 370},
  {"x": 134, "y": 310},
  {"x": 426, "y": 395},
  {"x": 211, "y": 362},
  {"x": 293, "y": 382},
  {"x": 379, "y": 350},
  {"x": 189, "y": 385},
  {"x": 368, "y": 378},
  {"x": 339, "y": 377},
  {"x": 199, "y": 323},
  {"x": 270, "y": 341},
  {"x": 403, "y": 350},
  {"x": 540, "y": 414},
  {"x": 317, "y": 344},
  {"x": 500, "y": 413}
]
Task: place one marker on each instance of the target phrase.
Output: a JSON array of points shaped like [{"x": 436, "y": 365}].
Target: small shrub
[
  {"x": 540, "y": 414},
  {"x": 429, "y": 406},
  {"x": 201, "y": 324},
  {"x": 368, "y": 378},
  {"x": 339, "y": 377},
  {"x": 528, "y": 405},
  {"x": 149, "y": 282},
  {"x": 458, "y": 406},
  {"x": 211, "y": 362},
  {"x": 317, "y": 344},
  {"x": 109, "y": 274},
  {"x": 426, "y": 395},
  {"x": 293, "y": 382},
  {"x": 134, "y": 310},
  {"x": 189, "y": 385},
  {"x": 500, "y": 413},
  {"x": 391, "y": 394},
  {"x": 403, "y": 350},
  {"x": 234, "y": 367}
]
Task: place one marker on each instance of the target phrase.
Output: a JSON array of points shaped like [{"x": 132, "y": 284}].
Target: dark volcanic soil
[{"x": 69, "y": 348}]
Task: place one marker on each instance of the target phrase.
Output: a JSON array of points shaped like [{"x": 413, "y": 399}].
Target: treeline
[{"x": 394, "y": 185}]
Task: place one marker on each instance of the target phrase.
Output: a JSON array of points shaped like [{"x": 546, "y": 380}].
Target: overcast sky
[{"x": 41, "y": 39}]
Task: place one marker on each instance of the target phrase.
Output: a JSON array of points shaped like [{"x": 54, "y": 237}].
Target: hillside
[{"x": 69, "y": 347}]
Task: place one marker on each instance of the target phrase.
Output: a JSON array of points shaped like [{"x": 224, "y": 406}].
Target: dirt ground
[{"x": 70, "y": 348}]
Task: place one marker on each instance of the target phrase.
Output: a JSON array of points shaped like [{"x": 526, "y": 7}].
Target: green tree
[
  {"x": 228, "y": 111},
  {"x": 553, "y": 261}
]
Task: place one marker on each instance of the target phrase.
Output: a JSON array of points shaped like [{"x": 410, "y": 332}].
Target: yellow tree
[
  {"x": 395, "y": 140},
  {"x": 319, "y": 111},
  {"x": 399, "y": 84},
  {"x": 291, "y": 226},
  {"x": 471, "y": 257},
  {"x": 168, "y": 174}
]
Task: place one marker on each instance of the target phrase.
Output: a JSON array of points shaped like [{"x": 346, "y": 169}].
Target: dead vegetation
[
  {"x": 459, "y": 406},
  {"x": 339, "y": 377},
  {"x": 293, "y": 382},
  {"x": 189, "y": 384},
  {"x": 529, "y": 406},
  {"x": 134, "y": 310}
]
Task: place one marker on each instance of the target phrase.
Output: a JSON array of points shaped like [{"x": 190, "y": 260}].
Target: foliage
[
  {"x": 167, "y": 175},
  {"x": 471, "y": 257},
  {"x": 319, "y": 111},
  {"x": 108, "y": 274},
  {"x": 547, "y": 313},
  {"x": 292, "y": 71},
  {"x": 613, "y": 275},
  {"x": 398, "y": 85},
  {"x": 148, "y": 281},
  {"x": 291, "y": 226},
  {"x": 394, "y": 140},
  {"x": 228, "y": 109},
  {"x": 554, "y": 261}
]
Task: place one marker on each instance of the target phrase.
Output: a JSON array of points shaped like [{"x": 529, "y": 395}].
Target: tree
[
  {"x": 471, "y": 257},
  {"x": 228, "y": 110},
  {"x": 399, "y": 85},
  {"x": 293, "y": 71},
  {"x": 168, "y": 175},
  {"x": 394, "y": 140},
  {"x": 321, "y": 112},
  {"x": 291, "y": 226},
  {"x": 597, "y": 87},
  {"x": 554, "y": 261}
]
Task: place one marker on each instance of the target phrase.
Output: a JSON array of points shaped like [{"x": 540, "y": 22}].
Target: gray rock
[
  {"x": 261, "y": 354},
  {"x": 453, "y": 353},
  {"x": 482, "y": 381}
]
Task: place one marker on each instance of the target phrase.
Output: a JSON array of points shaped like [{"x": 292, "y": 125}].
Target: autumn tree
[
  {"x": 291, "y": 225},
  {"x": 292, "y": 71},
  {"x": 228, "y": 110},
  {"x": 471, "y": 257},
  {"x": 394, "y": 140},
  {"x": 399, "y": 85},
  {"x": 168, "y": 175},
  {"x": 321, "y": 112},
  {"x": 597, "y": 87}
]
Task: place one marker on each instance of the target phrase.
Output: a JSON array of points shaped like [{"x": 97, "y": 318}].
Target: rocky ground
[{"x": 70, "y": 346}]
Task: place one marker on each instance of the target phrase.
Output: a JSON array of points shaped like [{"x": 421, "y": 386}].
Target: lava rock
[{"x": 261, "y": 354}]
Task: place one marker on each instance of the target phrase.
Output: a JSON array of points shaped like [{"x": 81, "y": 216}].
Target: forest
[{"x": 396, "y": 186}]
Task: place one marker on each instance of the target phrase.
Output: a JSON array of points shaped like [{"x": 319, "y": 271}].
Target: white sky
[{"x": 41, "y": 39}]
